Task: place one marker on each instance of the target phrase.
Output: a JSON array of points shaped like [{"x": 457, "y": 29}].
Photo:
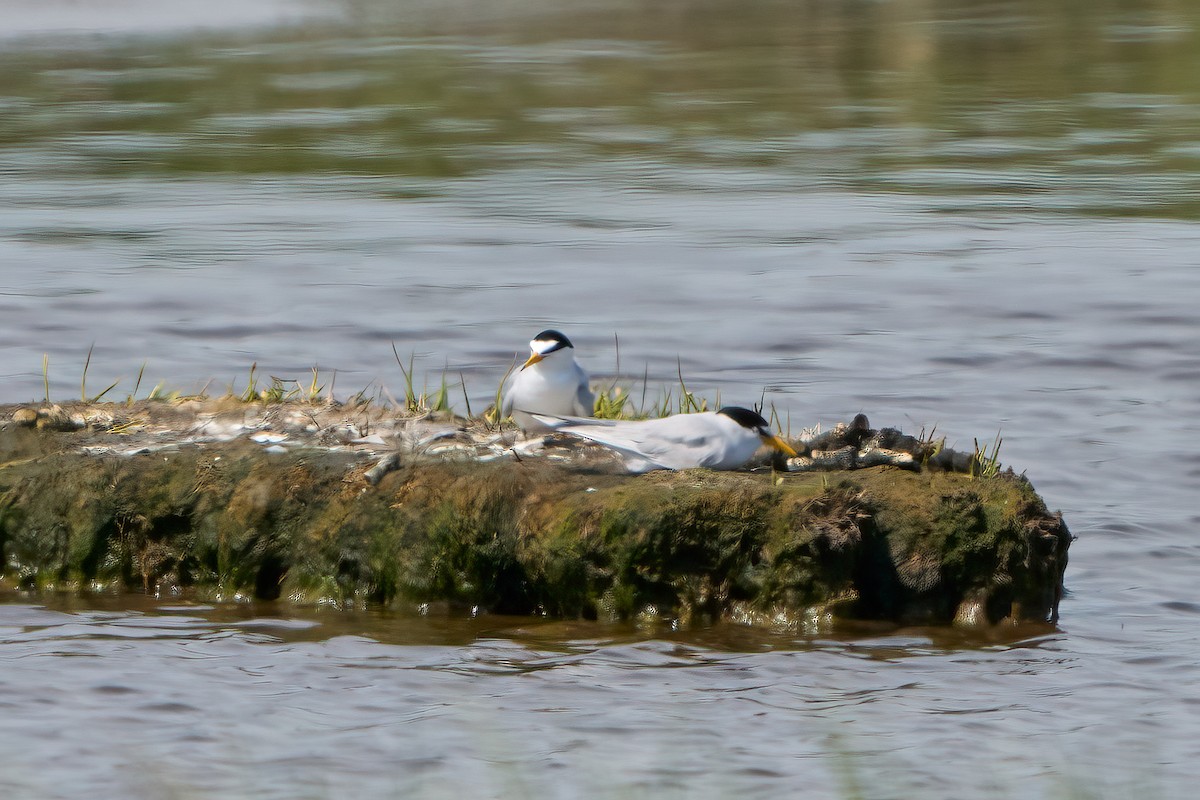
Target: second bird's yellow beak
[{"x": 779, "y": 444}]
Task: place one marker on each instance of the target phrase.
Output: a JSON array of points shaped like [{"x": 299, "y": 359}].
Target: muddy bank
[{"x": 245, "y": 515}]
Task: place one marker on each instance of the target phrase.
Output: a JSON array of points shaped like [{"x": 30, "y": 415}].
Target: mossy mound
[{"x": 233, "y": 518}]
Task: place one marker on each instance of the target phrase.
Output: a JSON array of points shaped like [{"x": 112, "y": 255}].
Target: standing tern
[
  {"x": 724, "y": 439},
  {"x": 550, "y": 382}
]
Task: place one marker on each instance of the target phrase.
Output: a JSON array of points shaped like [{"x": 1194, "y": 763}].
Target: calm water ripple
[{"x": 979, "y": 216}]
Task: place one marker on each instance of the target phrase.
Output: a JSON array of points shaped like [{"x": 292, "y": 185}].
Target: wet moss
[
  {"x": 528, "y": 537},
  {"x": 953, "y": 540}
]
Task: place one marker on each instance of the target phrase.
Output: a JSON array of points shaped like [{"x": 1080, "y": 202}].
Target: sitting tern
[
  {"x": 550, "y": 382},
  {"x": 724, "y": 439}
]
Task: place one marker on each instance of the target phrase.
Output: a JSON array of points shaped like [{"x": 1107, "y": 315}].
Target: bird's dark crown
[
  {"x": 745, "y": 417},
  {"x": 560, "y": 341}
]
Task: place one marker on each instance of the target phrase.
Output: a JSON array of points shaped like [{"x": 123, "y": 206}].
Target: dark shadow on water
[{"x": 461, "y": 627}]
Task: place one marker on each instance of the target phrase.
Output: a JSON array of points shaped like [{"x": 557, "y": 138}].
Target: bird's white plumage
[
  {"x": 707, "y": 439},
  {"x": 552, "y": 382}
]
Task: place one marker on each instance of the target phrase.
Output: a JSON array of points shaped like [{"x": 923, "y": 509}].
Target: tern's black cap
[
  {"x": 745, "y": 417},
  {"x": 559, "y": 339}
]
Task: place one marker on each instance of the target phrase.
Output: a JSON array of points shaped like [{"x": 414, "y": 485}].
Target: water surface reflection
[{"x": 224, "y": 699}]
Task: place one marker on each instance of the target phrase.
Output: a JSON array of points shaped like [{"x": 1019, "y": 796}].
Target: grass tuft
[
  {"x": 687, "y": 401},
  {"x": 491, "y": 417},
  {"x": 251, "y": 393},
  {"x": 462, "y": 381},
  {"x": 611, "y": 403},
  {"x": 421, "y": 403},
  {"x": 312, "y": 394},
  {"x": 615, "y": 400},
  {"x": 83, "y": 380},
  {"x": 441, "y": 400},
  {"x": 410, "y": 396},
  {"x": 931, "y": 445},
  {"x": 985, "y": 464},
  {"x": 136, "y": 385}
]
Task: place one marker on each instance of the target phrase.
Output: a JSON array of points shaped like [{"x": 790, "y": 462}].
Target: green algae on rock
[{"x": 238, "y": 517}]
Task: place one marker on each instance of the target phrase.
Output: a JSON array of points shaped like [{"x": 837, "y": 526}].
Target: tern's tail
[{"x": 554, "y": 422}]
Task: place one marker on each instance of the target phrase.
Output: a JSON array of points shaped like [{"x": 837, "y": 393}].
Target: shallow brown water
[{"x": 979, "y": 216}]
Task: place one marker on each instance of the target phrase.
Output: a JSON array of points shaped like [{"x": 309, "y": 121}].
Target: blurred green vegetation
[{"x": 1095, "y": 103}]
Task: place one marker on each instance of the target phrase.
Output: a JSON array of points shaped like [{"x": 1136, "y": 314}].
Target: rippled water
[
  {"x": 169, "y": 700},
  {"x": 979, "y": 216}
]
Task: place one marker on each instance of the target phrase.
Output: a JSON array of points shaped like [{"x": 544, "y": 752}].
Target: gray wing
[
  {"x": 585, "y": 401},
  {"x": 671, "y": 443},
  {"x": 556, "y": 421}
]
